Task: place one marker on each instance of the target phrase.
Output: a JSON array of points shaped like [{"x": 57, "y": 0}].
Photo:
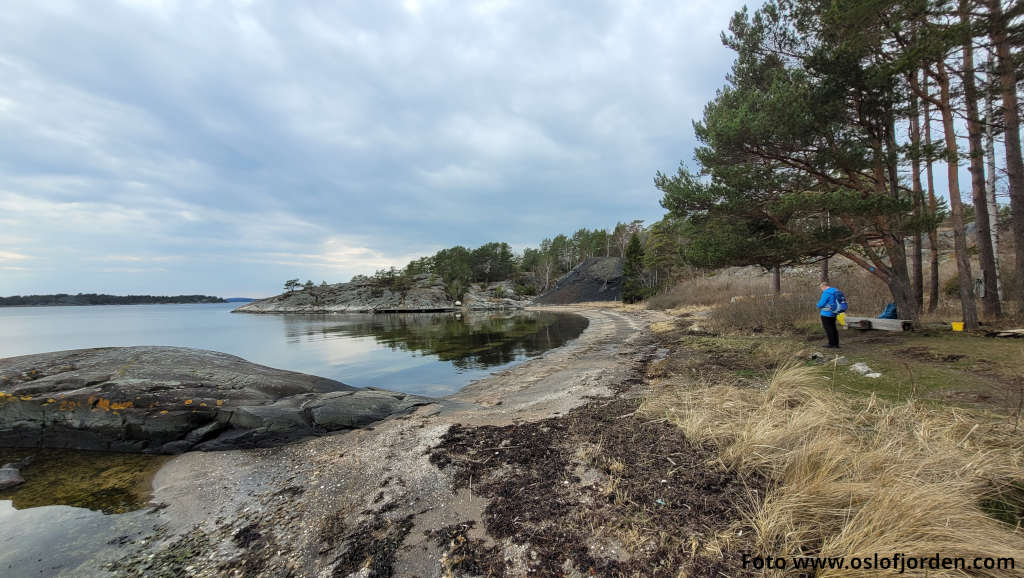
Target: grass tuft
[{"x": 856, "y": 475}]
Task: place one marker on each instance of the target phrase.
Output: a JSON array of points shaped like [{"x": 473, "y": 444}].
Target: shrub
[
  {"x": 769, "y": 313},
  {"x": 525, "y": 290},
  {"x": 951, "y": 287},
  {"x": 455, "y": 289}
]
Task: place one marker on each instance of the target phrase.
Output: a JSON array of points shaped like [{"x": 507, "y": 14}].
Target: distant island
[{"x": 103, "y": 299}]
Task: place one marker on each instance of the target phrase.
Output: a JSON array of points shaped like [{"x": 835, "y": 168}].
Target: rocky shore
[
  {"x": 174, "y": 399},
  {"x": 382, "y": 502},
  {"x": 425, "y": 293}
]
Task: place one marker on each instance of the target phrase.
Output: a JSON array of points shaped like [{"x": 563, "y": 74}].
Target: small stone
[
  {"x": 9, "y": 478},
  {"x": 860, "y": 368}
]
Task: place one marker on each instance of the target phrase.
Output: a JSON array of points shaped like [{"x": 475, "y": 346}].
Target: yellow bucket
[
  {"x": 841, "y": 319},
  {"x": 958, "y": 325}
]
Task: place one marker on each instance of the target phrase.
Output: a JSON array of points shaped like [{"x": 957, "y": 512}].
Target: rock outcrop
[
  {"x": 173, "y": 399},
  {"x": 596, "y": 279},
  {"x": 424, "y": 293}
]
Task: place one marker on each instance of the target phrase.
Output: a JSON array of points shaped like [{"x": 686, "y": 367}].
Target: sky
[{"x": 222, "y": 147}]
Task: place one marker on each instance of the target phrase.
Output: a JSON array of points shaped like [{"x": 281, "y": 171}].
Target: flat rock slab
[{"x": 174, "y": 399}]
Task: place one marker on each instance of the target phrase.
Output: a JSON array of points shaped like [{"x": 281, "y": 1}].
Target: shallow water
[
  {"x": 61, "y": 516},
  {"x": 111, "y": 483}
]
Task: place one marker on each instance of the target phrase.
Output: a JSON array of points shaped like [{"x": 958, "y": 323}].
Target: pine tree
[{"x": 632, "y": 271}]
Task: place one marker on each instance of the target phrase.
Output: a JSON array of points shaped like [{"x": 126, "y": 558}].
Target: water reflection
[
  {"x": 474, "y": 341},
  {"x": 421, "y": 353}
]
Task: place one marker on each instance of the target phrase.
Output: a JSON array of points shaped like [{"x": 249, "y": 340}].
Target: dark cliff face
[
  {"x": 173, "y": 399},
  {"x": 596, "y": 279}
]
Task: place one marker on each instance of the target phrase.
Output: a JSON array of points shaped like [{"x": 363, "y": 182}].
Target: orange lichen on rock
[{"x": 108, "y": 405}]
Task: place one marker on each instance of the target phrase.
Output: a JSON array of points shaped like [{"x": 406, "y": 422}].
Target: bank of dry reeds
[{"x": 854, "y": 476}]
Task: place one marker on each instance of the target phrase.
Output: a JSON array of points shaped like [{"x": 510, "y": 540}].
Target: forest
[
  {"x": 655, "y": 254},
  {"x": 103, "y": 299},
  {"x": 827, "y": 136}
]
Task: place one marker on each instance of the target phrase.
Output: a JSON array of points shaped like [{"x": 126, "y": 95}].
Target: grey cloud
[{"x": 227, "y": 131}]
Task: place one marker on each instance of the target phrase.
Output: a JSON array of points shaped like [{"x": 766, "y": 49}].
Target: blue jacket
[{"x": 827, "y": 304}]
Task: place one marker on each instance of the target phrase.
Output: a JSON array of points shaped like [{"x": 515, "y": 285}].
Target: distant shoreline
[
  {"x": 83, "y": 299},
  {"x": 112, "y": 304}
]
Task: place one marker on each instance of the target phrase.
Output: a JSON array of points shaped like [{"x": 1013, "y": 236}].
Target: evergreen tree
[{"x": 633, "y": 289}]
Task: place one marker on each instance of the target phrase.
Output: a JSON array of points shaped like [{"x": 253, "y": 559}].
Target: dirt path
[{"x": 370, "y": 502}]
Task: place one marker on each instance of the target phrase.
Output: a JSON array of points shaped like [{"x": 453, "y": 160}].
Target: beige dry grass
[{"x": 852, "y": 476}]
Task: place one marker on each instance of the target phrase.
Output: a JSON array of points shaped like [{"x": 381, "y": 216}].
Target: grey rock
[
  {"x": 172, "y": 399},
  {"x": 10, "y": 477},
  {"x": 342, "y": 410},
  {"x": 427, "y": 293}
]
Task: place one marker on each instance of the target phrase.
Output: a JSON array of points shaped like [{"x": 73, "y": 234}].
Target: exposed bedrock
[
  {"x": 424, "y": 293},
  {"x": 174, "y": 399}
]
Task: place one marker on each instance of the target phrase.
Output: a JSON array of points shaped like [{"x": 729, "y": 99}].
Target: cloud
[
  {"x": 12, "y": 256},
  {"x": 259, "y": 141}
]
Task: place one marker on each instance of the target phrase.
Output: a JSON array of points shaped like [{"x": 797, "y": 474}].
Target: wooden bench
[{"x": 881, "y": 324}]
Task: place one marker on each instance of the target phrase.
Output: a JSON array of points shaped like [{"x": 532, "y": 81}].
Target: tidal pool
[
  {"x": 111, "y": 483},
  {"x": 74, "y": 508}
]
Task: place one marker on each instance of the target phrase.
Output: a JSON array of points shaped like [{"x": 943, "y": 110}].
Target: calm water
[{"x": 424, "y": 353}]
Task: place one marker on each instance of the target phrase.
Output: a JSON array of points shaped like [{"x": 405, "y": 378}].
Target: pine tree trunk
[
  {"x": 917, "y": 272},
  {"x": 968, "y": 306},
  {"x": 990, "y": 300},
  {"x": 896, "y": 249},
  {"x": 777, "y": 279},
  {"x": 824, "y": 270},
  {"x": 1011, "y": 126},
  {"x": 933, "y": 234},
  {"x": 990, "y": 167}
]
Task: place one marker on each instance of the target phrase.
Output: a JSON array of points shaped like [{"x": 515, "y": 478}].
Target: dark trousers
[{"x": 829, "y": 323}]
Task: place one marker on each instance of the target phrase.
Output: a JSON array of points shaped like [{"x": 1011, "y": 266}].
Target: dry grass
[
  {"x": 853, "y": 476},
  {"x": 742, "y": 299},
  {"x": 703, "y": 291},
  {"x": 663, "y": 326}
]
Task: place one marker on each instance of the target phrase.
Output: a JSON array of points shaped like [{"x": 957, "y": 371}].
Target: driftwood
[{"x": 881, "y": 324}]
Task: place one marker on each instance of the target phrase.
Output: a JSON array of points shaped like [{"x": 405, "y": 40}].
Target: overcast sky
[{"x": 222, "y": 147}]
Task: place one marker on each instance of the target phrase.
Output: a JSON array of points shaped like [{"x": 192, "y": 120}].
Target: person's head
[{"x": 824, "y": 285}]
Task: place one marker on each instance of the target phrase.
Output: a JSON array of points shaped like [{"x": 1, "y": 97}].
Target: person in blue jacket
[{"x": 828, "y": 306}]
